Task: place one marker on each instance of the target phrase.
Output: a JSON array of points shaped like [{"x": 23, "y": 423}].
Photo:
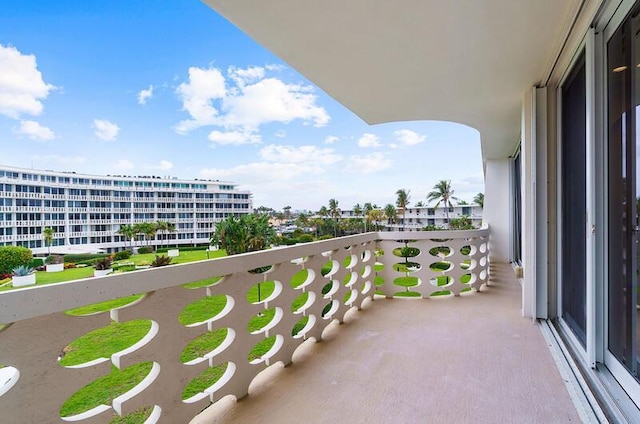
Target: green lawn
[
  {"x": 136, "y": 417},
  {"x": 105, "y": 341},
  {"x": 106, "y": 388}
]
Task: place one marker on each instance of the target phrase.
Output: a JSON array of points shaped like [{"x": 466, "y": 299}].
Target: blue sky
[{"x": 172, "y": 89}]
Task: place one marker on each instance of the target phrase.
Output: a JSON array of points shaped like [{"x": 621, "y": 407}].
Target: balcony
[{"x": 463, "y": 355}]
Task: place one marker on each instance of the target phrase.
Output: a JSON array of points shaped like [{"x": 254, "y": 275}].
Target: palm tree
[
  {"x": 479, "y": 199},
  {"x": 127, "y": 232},
  {"x": 324, "y": 212},
  {"x": 375, "y": 216},
  {"x": 401, "y": 202},
  {"x": 420, "y": 204},
  {"x": 357, "y": 211},
  {"x": 161, "y": 227},
  {"x": 334, "y": 212},
  {"x": 287, "y": 212},
  {"x": 390, "y": 213},
  {"x": 171, "y": 228},
  {"x": 302, "y": 220},
  {"x": 47, "y": 235},
  {"x": 442, "y": 193}
]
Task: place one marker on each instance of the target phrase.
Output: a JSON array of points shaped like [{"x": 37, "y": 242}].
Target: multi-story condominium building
[
  {"x": 86, "y": 211},
  {"x": 417, "y": 218}
]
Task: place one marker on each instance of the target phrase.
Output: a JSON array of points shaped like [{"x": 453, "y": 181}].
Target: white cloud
[
  {"x": 124, "y": 165},
  {"x": 409, "y": 138},
  {"x": 369, "y": 140},
  {"x": 281, "y": 134},
  {"x": 144, "y": 95},
  {"x": 234, "y": 138},
  {"x": 34, "y": 131},
  {"x": 165, "y": 165},
  {"x": 365, "y": 164},
  {"x": 244, "y": 76},
  {"x": 63, "y": 160},
  {"x": 310, "y": 155},
  {"x": 244, "y": 102},
  {"x": 21, "y": 86},
  {"x": 258, "y": 172},
  {"x": 331, "y": 139},
  {"x": 204, "y": 86},
  {"x": 105, "y": 130},
  {"x": 272, "y": 100}
]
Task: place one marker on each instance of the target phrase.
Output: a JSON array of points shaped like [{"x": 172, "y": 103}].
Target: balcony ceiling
[{"x": 458, "y": 60}]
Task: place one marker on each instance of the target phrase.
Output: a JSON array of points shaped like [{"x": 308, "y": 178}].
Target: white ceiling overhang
[{"x": 466, "y": 61}]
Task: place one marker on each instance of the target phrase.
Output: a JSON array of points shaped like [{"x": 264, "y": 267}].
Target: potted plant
[
  {"x": 23, "y": 276},
  {"x": 102, "y": 267},
  {"x": 54, "y": 263}
]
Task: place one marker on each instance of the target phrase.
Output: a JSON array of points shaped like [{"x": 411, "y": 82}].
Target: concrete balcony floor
[{"x": 463, "y": 360}]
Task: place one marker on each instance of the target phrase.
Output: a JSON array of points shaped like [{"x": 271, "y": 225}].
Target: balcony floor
[{"x": 461, "y": 360}]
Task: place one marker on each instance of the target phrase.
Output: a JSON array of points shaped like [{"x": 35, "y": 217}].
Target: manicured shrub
[
  {"x": 145, "y": 249},
  {"x": 305, "y": 238},
  {"x": 54, "y": 259},
  {"x": 36, "y": 262},
  {"x": 83, "y": 257},
  {"x": 12, "y": 257},
  {"x": 161, "y": 261},
  {"x": 69, "y": 265},
  {"x": 123, "y": 254},
  {"x": 102, "y": 264},
  {"x": 325, "y": 237}
]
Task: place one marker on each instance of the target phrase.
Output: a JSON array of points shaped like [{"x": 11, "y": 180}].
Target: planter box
[
  {"x": 55, "y": 267},
  {"x": 25, "y": 280},
  {"x": 172, "y": 253},
  {"x": 101, "y": 272}
]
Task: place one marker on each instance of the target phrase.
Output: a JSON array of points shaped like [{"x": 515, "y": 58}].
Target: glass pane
[
  {"x": 573, "y": 200},
  {"x": 624, "y": 96}
]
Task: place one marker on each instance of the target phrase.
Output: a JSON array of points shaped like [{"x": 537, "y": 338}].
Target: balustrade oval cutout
[
  {"x": 9, "y": 376},
  {"x": 302, "y": 278},
  {"x": 350, "y": 279},
  {"x": 468, "y": 278},
  {"x": 350, "y": 261},
  {"x": 264, "y": 320},
  {"x": 366, "y": 255},
  {"x": 207, "y": 282},
  {"x": 92, "y": 399},
  {"x": 302, "y": 327},
  {"x": 366, "y": 287},
  {"x": 483, "y": 247},
  {"x": 209, "y": 308},
  {"x": 442, "y": 266},
  {"x": 406, "y": 252},
  {"x": 366, "y": 271},
  {"x": 467, "y": 250},
  {"x": 303, "y": 302},
  {"x": 207, "y": 345},
  {"x": 407, "y": 267},
  {"x": 264, "y": 292},
  {"x": 441, "y": 251},
  {"x": 330, "y": 309},
  {"x": 99, "y": 345},
  {"x": 265, "y": 349},
  {"x": 350, "y": 297},
  {"x": 98, "y": 308},
  {"x": 211, "y": 380},
  {"x": 441, "y": 281},
  {"x": 329, "y": 268},
  {"x": 330, "y": 289},
  {"x": 407, "y": 281}
]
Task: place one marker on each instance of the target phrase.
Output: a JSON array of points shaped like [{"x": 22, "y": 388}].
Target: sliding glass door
[
  {"x": 573, "y": 206},
  {"x": 623, "y": 87}
]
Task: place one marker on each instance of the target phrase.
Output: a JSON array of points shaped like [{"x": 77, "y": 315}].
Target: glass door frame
[
  {"x": 610, "y": 24},
  {"x": 587, "y": 352}
]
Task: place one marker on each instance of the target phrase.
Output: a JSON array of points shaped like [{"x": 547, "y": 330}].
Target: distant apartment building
[
  {"x": 417, "y": 218},
  {"x": 86, "y": 211}
]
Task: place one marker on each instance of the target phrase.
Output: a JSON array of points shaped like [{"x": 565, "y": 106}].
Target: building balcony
[{"x": 451, "y": 358}]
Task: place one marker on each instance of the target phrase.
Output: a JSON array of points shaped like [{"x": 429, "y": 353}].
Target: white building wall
[
  {"x": 88, "y": 210},
  {"x": 496, "y": 211}
]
